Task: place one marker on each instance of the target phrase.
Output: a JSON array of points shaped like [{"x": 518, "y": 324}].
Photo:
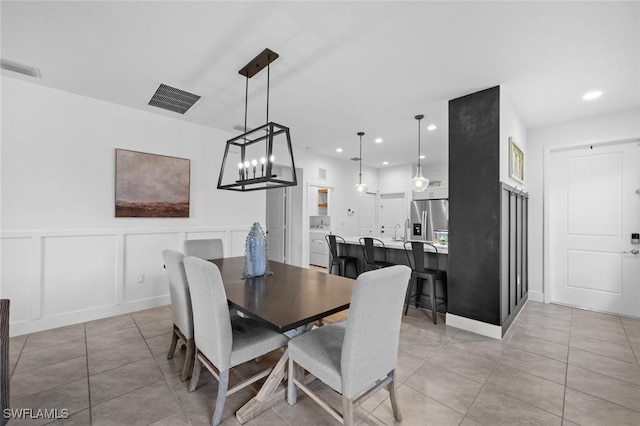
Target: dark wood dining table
[{"x": 287, "y": 298}]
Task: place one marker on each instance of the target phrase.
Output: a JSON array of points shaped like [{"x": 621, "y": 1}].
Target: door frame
[
  {"x": 305, "y": 217},
  {"x": 546, "y": 190}
]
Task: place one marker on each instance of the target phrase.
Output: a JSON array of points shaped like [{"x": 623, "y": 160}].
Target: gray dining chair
[
  {"x": 223, "y": 342},
  {"x": 180, "y": 308},
  {"x": 360, "y": 357},
  {"x": 204, "y": 249}
]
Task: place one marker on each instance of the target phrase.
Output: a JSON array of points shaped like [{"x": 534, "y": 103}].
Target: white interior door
[
  {"x": 393, "y": 211},
  {"x": 594, "y": 209},
  {"x": 367, "y": 215},
  {"x": 276, "y": 224}
]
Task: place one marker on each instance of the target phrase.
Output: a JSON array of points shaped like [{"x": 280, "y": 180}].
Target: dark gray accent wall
[
  {"x": 474, "y": 206},
  {"x": 487, "y": 273}
]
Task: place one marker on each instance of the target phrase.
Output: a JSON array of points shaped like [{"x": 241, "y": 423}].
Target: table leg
[
  {"x": 269, "y": 393},
  {"x": 272, "y": 391}
]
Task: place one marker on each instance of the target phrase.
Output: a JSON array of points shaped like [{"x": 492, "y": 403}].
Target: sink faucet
[
  {"x": 407, "y": 225},
  {"x": 395, "y": 230}
]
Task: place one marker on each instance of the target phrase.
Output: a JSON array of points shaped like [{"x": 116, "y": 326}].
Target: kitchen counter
[{"x": 392, "y": 244}]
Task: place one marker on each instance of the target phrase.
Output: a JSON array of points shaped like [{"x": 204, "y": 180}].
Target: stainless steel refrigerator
[{"x": 429, "y": 219}]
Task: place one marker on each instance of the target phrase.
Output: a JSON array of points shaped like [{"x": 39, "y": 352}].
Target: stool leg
[
  {"x": 408, "y": 297},
  {"x": 434, "y": 307}
]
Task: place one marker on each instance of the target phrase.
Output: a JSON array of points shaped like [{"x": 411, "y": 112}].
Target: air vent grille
[
  {"x": 8, "y": 65},
  {"x": 172, "y": 99}
]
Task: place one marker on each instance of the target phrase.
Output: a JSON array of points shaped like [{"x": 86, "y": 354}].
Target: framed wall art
[
  {"x": 516, "y": 161},
  {"x": 151, "y": 185}
]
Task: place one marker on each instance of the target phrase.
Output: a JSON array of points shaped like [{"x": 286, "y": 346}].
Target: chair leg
[
  {"x": 434, "y": 307},
  {"x": 347, "y": 411},
  {"x": 197, "y": 366},
  {"x": 391, "y": 387},
  {"x": 292, "y": 392},
  {"x": 188, "y": 360},
  {"x": 408, "y": 297},
  {"x": 223, "y": 385},
  {"x": 174, "y": 343}
]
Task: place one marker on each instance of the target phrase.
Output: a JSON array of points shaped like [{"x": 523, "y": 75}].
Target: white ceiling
[{"x": 343, "y": 66}]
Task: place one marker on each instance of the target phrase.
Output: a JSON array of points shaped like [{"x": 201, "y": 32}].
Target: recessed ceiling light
[
  {"x": 431, "y": 127},
  {"x": 422, "y": 157},
  {"x": 339, "y": 150},
  {"x": 592, "y": 95},
  {"x": 384, "y": 163},
  {"x": 378, "y": 140}
]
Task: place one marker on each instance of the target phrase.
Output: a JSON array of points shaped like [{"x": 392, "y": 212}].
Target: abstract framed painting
[{"x": 151, "y": 185}]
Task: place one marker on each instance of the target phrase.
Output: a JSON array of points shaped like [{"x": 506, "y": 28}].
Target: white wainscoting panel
[
  {"x": 17, "y": 276},
  {"x": 59, "y": 277},
  {"x": 78, "y": 273},
  {"x": 143, "y": 255}
]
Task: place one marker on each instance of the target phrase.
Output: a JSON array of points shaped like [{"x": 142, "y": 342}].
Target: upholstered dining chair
[
  {"x": 360, "y": 357},
  {"x": 223, "y": 342},
  {"x": 336, "y": 259},
  {"x": 420, "y": 273},
  {"x": 204, "y": 249},
  {"x": 368, "y": 245},
  {"x": 180, "y": 308}
]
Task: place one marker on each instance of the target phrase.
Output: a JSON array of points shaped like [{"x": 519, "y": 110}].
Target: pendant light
[
  {"x": 419, "y": 183},
  {"x": 268, "y": 145},
  {"x": 360, "y": 188}
]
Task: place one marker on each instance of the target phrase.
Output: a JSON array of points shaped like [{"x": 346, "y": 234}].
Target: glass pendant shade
[
  {"x": 360, "y": 189},
  {"x": 419, "y": 183}
]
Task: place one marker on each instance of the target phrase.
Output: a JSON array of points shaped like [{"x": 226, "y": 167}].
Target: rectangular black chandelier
[{"x": 261, "y": 158}]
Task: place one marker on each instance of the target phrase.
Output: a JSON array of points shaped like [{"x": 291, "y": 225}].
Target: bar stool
[
  {"x": 370, "y": 262},
  {"x": 336, "y": 260},
  {"x": 421, "y": 273}
]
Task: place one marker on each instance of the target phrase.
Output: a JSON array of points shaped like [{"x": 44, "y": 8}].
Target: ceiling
[{"x": 344, "y": 67}]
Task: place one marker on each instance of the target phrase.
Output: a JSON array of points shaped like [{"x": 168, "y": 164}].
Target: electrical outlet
[{"x": 140, "y": 277}]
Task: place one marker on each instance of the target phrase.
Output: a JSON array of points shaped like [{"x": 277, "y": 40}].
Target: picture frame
[
  {"x": 151, "y": 185},
  {"x": 516, "y": 161}
]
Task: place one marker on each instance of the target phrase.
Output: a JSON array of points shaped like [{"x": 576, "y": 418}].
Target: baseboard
[
  {"x": 26, "y": 327},
  {"x": 536, "y": 296},
  {"x": 474, "y": 326}
]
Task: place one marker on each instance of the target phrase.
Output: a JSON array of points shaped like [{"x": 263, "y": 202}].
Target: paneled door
[
  {"x": 367, "y": 215},
  {"x": 393, "y": 211},
  {"x": 594, "y": 208}
]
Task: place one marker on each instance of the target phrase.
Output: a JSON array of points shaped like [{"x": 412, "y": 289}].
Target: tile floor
[{"x": 557, "y": 365}]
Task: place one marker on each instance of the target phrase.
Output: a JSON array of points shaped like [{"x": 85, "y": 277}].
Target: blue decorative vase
[{"x": 255, "y": 252}]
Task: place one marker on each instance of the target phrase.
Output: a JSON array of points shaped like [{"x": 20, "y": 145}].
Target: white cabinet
[{"x": 318, "y": 249}]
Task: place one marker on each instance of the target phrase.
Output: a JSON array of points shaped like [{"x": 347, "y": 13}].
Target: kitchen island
[{"x": 394, "y": 252}]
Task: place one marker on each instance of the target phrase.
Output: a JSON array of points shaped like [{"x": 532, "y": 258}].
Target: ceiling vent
[
  {"x": 172, "y": 99},
  {"x": 8, "y": 65}
]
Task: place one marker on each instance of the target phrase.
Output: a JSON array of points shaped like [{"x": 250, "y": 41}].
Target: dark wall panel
[{"x": 474, "y": 206}]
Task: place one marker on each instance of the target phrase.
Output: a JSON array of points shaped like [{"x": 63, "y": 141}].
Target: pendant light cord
[
  {"x": 268, "y": 80},
  {"x": 360, "y": 174},
  {"x": 246, "y": 101},
  {"x": 419, "y": 117}
]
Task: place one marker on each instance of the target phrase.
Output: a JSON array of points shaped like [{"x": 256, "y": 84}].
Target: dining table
[{"x": 286, "y": 298}]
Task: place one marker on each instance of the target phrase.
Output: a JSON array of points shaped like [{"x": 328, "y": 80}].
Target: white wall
[
  {"x": 510, "y": 126},
  {"x": 604, "y": 128},
  {"x": 341, "y": 175},
  {"x": 65, "y": 257}
]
